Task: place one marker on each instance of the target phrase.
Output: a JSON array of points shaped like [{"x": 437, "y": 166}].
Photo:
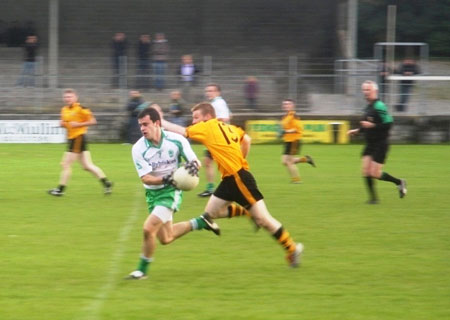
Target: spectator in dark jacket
[
  {"x": 407, "y": 68},
  {"x": 160, "y": 51},
  {"x": 28, "y": 71},
  {"x": 119, "y": 56},
  {"x": 143, "y": 61}
]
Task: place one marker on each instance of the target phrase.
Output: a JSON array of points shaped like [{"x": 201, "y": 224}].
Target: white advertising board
[{"x": 31, "y": 131}]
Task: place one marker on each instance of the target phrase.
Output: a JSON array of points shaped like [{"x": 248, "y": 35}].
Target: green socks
[
  {"x": 144, "y": 263},
  {"x": 198, "y": 223}
]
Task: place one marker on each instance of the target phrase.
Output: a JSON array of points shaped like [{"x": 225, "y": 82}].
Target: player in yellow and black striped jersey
[
  {"x": 76, "y": 119},
  {"x": 292, "y": 132},
  {"x": 229, "y": 146}
]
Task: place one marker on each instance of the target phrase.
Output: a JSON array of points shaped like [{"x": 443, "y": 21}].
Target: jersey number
[{"x": 233, "y": 137}]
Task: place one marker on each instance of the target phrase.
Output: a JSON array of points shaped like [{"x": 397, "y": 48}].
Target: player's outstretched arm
[
  {"x": 169, "y": 126},
  {"x": 352, "y": 132}
]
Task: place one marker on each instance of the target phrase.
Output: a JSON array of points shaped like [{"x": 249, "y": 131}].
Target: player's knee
[
  {"x": 65, "y": 166},
  {"x": 261, "y": 221},
  {"x": 166, "y": 240},
  {"x": 148, "y": 233}
]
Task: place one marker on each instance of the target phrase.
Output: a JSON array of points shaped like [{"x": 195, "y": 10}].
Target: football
[{"x": 184, "y": 180}]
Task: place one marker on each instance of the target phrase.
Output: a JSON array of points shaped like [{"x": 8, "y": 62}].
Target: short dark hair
[
  {"x": 214, "y": 85},
  {"x": 151, "y": 112}
]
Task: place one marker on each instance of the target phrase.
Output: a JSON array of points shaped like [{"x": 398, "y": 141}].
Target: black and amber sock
[
  {"x": 235, "y": 210},
  {"x": 284, "y": 238}
]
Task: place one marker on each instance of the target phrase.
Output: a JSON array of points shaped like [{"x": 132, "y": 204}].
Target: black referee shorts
[
  {"x": 77, "y": 144},
  {"x": 292, "y": 148},
  {"x": 378, "y": 151},
  {"x": 241, "y": 188}
]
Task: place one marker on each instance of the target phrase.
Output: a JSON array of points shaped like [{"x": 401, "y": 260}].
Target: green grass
[{"x": 65, "y": 258}]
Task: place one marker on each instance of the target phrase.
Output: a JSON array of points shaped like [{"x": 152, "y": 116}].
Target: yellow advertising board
[{"x": 314, "y": 131}]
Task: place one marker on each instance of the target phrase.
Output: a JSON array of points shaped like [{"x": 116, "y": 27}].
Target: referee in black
[{"x": 375, "y": 126}]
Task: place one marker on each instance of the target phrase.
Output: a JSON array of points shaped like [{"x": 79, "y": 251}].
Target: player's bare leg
[
  {"x": 170, "y": 232},
  {"x": 66, "y": 164},
  {"x": 151, "y": 228},
  {"x": 289, "y": 162},
  {"x": 367, "y": 169},
  {"x": 263, "y": 218},
  {"x": 88, "y": 165}
]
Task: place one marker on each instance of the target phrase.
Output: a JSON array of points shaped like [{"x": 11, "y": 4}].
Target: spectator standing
[
  {"x": 143, "y": 63},
  {"x": 176, "y": 108},
  {"x": 251, "y": 90},
  {"x": 187, "y": 71},
  {"x": 160, "y": 51},
  {"x": 119, "y": 56},
  {"x": 27, "y": 75},
  {"x": 407, "y": 68}
]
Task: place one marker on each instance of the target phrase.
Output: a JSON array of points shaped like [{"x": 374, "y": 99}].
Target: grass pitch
[{"x": 65, "y": 258}]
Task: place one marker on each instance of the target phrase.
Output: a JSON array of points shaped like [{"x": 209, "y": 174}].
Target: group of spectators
[
  {"x": 152, "y": 57},
  {"x": 152, "y": 64}
]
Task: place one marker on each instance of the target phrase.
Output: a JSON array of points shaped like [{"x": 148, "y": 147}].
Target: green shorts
[{"x": 168, "y": 197}]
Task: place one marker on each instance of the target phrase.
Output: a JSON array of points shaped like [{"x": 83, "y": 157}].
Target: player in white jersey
[
  {"x": 156, "y": 156},
  {"x": 213, "y": 94}
]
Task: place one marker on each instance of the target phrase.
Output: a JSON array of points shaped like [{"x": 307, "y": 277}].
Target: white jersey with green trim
[{"x": 160, "y": 160}]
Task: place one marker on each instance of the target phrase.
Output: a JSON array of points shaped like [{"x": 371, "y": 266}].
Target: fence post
[
  {"x": 53, "y": 44},
  {"x": 293, "y": 75},
  {"x": 207, "y": 68},
  {"x": 39, "y": 83}
]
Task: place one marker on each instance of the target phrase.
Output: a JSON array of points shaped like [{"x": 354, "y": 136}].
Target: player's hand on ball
[
  {"x": 192, "y": 167},
  {"x": 168, "y": 180}
]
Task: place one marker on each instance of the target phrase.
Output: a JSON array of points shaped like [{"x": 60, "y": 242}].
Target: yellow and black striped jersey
[
  {"x": 223, "y": 142},
  {"x": 75, "y": 113},
  {"x": 292, "y": 127}
]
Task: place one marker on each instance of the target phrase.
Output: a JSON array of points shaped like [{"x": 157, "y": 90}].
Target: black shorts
[
  {"x": 292, "y": 148},
  {"x": 378, "y": 151},
  {"x": 241, "y": 188},
  {"x": 77, "y": 145}
]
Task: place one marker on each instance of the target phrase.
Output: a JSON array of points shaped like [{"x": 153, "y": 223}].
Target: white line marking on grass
[{"x": 92, "y": 311}]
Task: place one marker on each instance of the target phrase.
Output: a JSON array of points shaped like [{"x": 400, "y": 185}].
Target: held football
[{"x": 184, "y": 180}]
